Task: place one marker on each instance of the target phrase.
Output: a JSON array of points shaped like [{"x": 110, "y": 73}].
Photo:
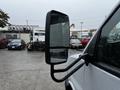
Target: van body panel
[
  {"x": 98, "y": 79},
  {"x": 77, "y": 79},
  {"x": 93, "y": 78}
]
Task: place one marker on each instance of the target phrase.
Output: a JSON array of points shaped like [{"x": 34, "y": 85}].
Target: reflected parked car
[
  {"x": 16, "y": 44},
  {"x": 75, "y": 43},
  {"x": 85, "y": 41},
  {"x": 3, "y": 43}
]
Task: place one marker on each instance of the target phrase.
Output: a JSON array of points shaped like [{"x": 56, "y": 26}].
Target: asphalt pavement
[{"x": 22, "y": 70}]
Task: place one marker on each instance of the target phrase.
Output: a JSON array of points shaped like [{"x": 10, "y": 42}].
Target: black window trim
[{"x": 110, "y": 69}]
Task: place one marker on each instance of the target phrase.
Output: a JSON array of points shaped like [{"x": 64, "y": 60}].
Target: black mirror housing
[{"x": 57, "y": 34}]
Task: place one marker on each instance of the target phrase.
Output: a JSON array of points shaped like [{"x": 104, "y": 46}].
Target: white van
[
  {"x": 38, "y": 34},
  {"x": 37, "y": 40},
  {"x": 98, "y": 66}
]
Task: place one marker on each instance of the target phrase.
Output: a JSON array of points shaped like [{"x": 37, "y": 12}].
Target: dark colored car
[
  {"x": 36, "y": 46},
  {"x": 3, "y": 43},
  {"x": 85, "y": 41},
  {"x": 16, "y": 44}
]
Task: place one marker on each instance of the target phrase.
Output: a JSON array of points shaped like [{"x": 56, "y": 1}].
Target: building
[
  {"x": 21, "y": 28},
  {"x": 17, "y": 31},
  {"x": 82, "y": 33}
]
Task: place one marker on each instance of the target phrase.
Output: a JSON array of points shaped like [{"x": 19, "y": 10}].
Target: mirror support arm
[
  {"x": 53, "y": 71},
  {"x": 72, "y": 64},
  {"x": 65, "y": 77}
]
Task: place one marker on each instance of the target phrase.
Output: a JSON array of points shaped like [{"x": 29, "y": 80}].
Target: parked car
[
  {"x": 85, "y": 41},
  {"x": 3, "y": 43},
  {"x": 75, "y": 43},
  {"x": 16, "y": 44}
]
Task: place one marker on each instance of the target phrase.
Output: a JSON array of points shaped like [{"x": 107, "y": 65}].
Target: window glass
[
  {"x": 36, "y": 34},
  {"x": 109, "y": 45},
  {"x": 114, "y": 35},
  {"x": 41, "y": 34}
]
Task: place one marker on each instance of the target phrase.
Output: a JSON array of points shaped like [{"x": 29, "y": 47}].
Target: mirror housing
[{"x": 57, "y": 37}]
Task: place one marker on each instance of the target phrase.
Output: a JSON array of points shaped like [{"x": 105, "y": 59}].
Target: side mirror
[
  {"x": 57, "y": 39},
  {"x": 57, "y": 34}
]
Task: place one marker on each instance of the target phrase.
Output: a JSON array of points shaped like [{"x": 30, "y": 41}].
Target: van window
[
  {"x": 40, "y": 34},
  {"x": 109, "y": 45},
  {"x": 36, "y": 34}
]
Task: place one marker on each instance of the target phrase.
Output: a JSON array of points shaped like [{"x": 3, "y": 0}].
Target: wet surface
[{"x": 22, "y": 70}]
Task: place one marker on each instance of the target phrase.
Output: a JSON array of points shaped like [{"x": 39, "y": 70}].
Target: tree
[{"x": 3, "y": 19}]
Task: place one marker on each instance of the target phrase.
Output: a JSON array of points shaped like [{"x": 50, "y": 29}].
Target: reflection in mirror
[
  {"x": 58, "y": 55},
  {"x": 60, "y": 37}
]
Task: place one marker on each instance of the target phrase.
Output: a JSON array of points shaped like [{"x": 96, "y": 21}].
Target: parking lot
[{"x": 22, "y": 70}]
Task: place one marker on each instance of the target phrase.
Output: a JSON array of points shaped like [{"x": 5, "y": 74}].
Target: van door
[{"x": 104, "y": 71}]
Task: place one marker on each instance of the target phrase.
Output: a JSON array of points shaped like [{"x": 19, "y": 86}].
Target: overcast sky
[{"x": 91, "y": 12}]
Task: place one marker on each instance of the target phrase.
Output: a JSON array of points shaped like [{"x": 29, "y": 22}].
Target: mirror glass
[
  {"x": 58, "y": 55},
  {"x": 59, "y": 35}
]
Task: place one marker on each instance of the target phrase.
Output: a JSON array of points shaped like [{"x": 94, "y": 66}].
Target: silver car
[{"x": 75, "y": 43}]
